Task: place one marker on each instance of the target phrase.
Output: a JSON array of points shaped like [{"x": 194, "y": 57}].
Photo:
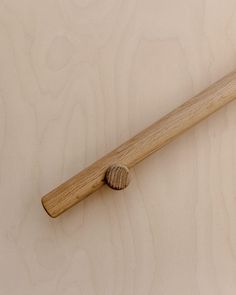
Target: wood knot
[{"x": 117, "y": 177}]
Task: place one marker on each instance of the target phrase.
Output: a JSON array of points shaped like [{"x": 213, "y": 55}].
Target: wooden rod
[{"x": 142, "y": 145}]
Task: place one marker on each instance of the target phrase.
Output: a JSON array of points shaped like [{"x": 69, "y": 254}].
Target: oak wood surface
[{"x": 142, "y": 145}]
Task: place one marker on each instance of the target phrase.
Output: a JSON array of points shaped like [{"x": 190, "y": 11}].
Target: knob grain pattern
[{"x": 117, "y": 177}]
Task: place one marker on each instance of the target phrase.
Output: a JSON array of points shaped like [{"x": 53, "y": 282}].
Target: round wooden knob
[{"x": 117, "y": 177}]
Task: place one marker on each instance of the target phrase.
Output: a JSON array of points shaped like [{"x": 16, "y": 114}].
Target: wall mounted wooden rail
[{"x": 113, "y": 168}]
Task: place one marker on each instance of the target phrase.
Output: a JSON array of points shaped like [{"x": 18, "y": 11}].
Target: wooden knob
[{"x": 117, "y": 177}]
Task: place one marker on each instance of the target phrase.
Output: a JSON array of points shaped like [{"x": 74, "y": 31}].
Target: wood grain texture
[
  {"x": 141, "y": 146},
  {"x": 78, "y": 78},
  {"x": 117, "y": 177}
]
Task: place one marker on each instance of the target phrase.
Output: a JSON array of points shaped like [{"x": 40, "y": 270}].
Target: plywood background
[{"x": 77, "y": 78}]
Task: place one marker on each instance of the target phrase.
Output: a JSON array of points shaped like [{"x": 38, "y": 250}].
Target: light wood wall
[{"x": 79, "y": 77}]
